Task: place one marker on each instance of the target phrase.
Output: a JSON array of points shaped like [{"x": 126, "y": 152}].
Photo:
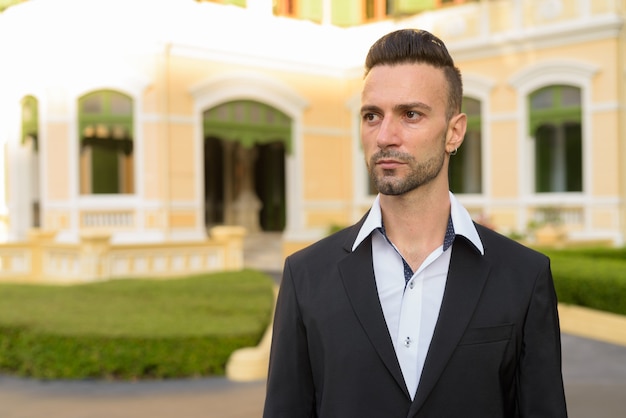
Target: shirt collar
[{"x": 461, "y": 221}]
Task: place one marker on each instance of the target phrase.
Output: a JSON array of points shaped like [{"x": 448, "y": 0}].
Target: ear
[{"x": 456, "y": 132}]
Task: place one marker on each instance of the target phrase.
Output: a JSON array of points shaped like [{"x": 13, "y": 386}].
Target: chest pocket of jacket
[{"x": 487, "y": 334}]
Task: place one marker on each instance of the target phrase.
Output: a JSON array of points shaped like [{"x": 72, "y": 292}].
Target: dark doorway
[
  {"x": 269, "y": 179},
  {"x": 220, "y": 185},
  {"x": 245, "y": 146},
  {"x": 213, "y": 181}
]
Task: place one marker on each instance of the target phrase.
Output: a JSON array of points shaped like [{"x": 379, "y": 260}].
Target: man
[{"x": 415, "y": 311}]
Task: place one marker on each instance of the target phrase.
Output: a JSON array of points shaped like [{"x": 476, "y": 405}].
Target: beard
[{"x": 389, "y": 182}]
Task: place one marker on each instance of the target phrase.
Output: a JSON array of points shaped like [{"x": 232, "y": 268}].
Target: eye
[
  {"x": 412, "y": 115},
  {"x": 370, "y": 117}
]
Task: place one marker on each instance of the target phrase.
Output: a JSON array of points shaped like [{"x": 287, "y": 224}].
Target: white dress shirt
[{"x": 411, "y": 307}]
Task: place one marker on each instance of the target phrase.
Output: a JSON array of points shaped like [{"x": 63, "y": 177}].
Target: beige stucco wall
[
  {"x": 327, "y": 167},
  {"x": 57, "y": 161},
  {"x": 183, "y": 167},
  {"x": 504, "y": 162},
  {"x": 153, "y": 158},
  {"x": 605, "y": 151}
]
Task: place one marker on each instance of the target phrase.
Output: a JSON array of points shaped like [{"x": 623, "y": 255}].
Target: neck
[{"x": 416, "y": 222}]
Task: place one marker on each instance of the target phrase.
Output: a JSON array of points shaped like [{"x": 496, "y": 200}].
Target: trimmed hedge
[
  {"x": 46, "y": 356},
  {"x": 132, "y": 329},
  {"x": 594, "y": 278}
]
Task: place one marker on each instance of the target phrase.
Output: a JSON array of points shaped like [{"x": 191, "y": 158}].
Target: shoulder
[
  {"x": 332, "y": 246},
  {"x": 500, "y": 247},
  {"x": 314, "y": 269}
]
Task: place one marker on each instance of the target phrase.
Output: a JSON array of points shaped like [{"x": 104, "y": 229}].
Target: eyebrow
[
  {"x": 414, "y": 105},
  {"x": 369, "y": 109},
  {"x": 402, "y": 107}
]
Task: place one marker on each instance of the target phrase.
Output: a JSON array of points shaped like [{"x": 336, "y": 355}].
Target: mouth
[{"x": 388, "y": 164}]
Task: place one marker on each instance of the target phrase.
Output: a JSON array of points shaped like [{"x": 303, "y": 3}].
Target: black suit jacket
[{"x": 495, "y": 351}]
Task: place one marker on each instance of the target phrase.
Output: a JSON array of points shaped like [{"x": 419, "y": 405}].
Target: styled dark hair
[{"x": 414, "y": 46}]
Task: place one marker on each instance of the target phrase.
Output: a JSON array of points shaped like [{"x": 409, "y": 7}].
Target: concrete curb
[
  {"x": 589, "y": 323},
  {"x": 251, "y": 363}
]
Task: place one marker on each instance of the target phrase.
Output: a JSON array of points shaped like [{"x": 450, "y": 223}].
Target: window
[
  {"x": 240, "y": 3},
  {"x": 555, "y": 121},
  {"x": 345, "y": 13},
  {"x": 30, "y": 121},
  {"x": 106, "y": 143},
  {"x": 377, "y": 9},
  {"x": 286, "y": 8},
  {"x": 466, "y": 166},
  {"x": 30, "y": 139},
  {"x": 404, "y": 7}
]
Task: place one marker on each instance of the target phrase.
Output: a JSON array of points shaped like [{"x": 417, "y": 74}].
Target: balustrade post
[
  {"x": 94, "y": 251},
  {"x": 37, "y": 239},
  {"x": 232, "y": 239}
]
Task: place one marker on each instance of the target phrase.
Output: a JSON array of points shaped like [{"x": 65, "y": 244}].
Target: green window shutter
[
  {"x": 544, "y": 155},
  {"x": 311, "y": 10},
  {"x": 573, "y": 157},
  {"x": 403, "y": 7},
  {"x": 346, "y": 13},
  {"x": 240, "y": 3},
  {"x": 105, "y": 170}
]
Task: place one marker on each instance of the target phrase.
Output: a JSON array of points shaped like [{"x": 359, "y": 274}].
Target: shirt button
[
  {"x": 407, "y": 342},
  {"x": 411, "y": 284}
]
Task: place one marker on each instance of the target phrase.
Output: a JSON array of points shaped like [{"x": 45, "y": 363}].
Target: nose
[{"x": 387, "y": 135}]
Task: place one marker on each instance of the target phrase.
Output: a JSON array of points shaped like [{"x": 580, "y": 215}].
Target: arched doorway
[{"x": 244, "y": 165}]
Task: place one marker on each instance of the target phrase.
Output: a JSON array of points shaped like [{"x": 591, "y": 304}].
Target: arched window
[
  {"x": 106, "y": 143},
  {"x": 30, "y": 121},
  {"x": 247, "y": 122},
  {"x": 555, "y": 124},
  {"x": 30, "y": 158},
  {"x": 466, "y": 166}
]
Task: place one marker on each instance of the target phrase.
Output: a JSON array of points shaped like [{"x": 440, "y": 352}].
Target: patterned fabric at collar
[
  {"x": 447, "y": 240},
  {"x": 447, "y": 243},
  {"x": 459, "y": 223}
]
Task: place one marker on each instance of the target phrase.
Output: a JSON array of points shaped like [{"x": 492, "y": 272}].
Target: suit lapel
[
  {"x": 357, "y": 274},
  {"x": 466, "y": 278}
]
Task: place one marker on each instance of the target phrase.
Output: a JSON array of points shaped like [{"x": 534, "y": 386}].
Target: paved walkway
[{"x": 594, "y": 374}]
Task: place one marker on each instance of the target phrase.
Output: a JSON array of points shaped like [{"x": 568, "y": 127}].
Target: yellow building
[{"x": 155, "y": 120}]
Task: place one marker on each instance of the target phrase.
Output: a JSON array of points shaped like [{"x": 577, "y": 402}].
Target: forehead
[{"x": 405, "y": 83}]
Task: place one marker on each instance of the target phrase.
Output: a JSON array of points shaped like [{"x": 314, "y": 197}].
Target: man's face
[{"x": 404, "y": 127}]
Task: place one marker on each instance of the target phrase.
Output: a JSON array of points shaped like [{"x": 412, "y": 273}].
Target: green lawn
[{"x": 131, "y": 329}]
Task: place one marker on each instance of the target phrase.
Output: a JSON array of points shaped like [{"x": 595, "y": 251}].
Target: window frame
[
  {"x": 94, "y": 128},
  {"x": 558, "y": 117}
]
